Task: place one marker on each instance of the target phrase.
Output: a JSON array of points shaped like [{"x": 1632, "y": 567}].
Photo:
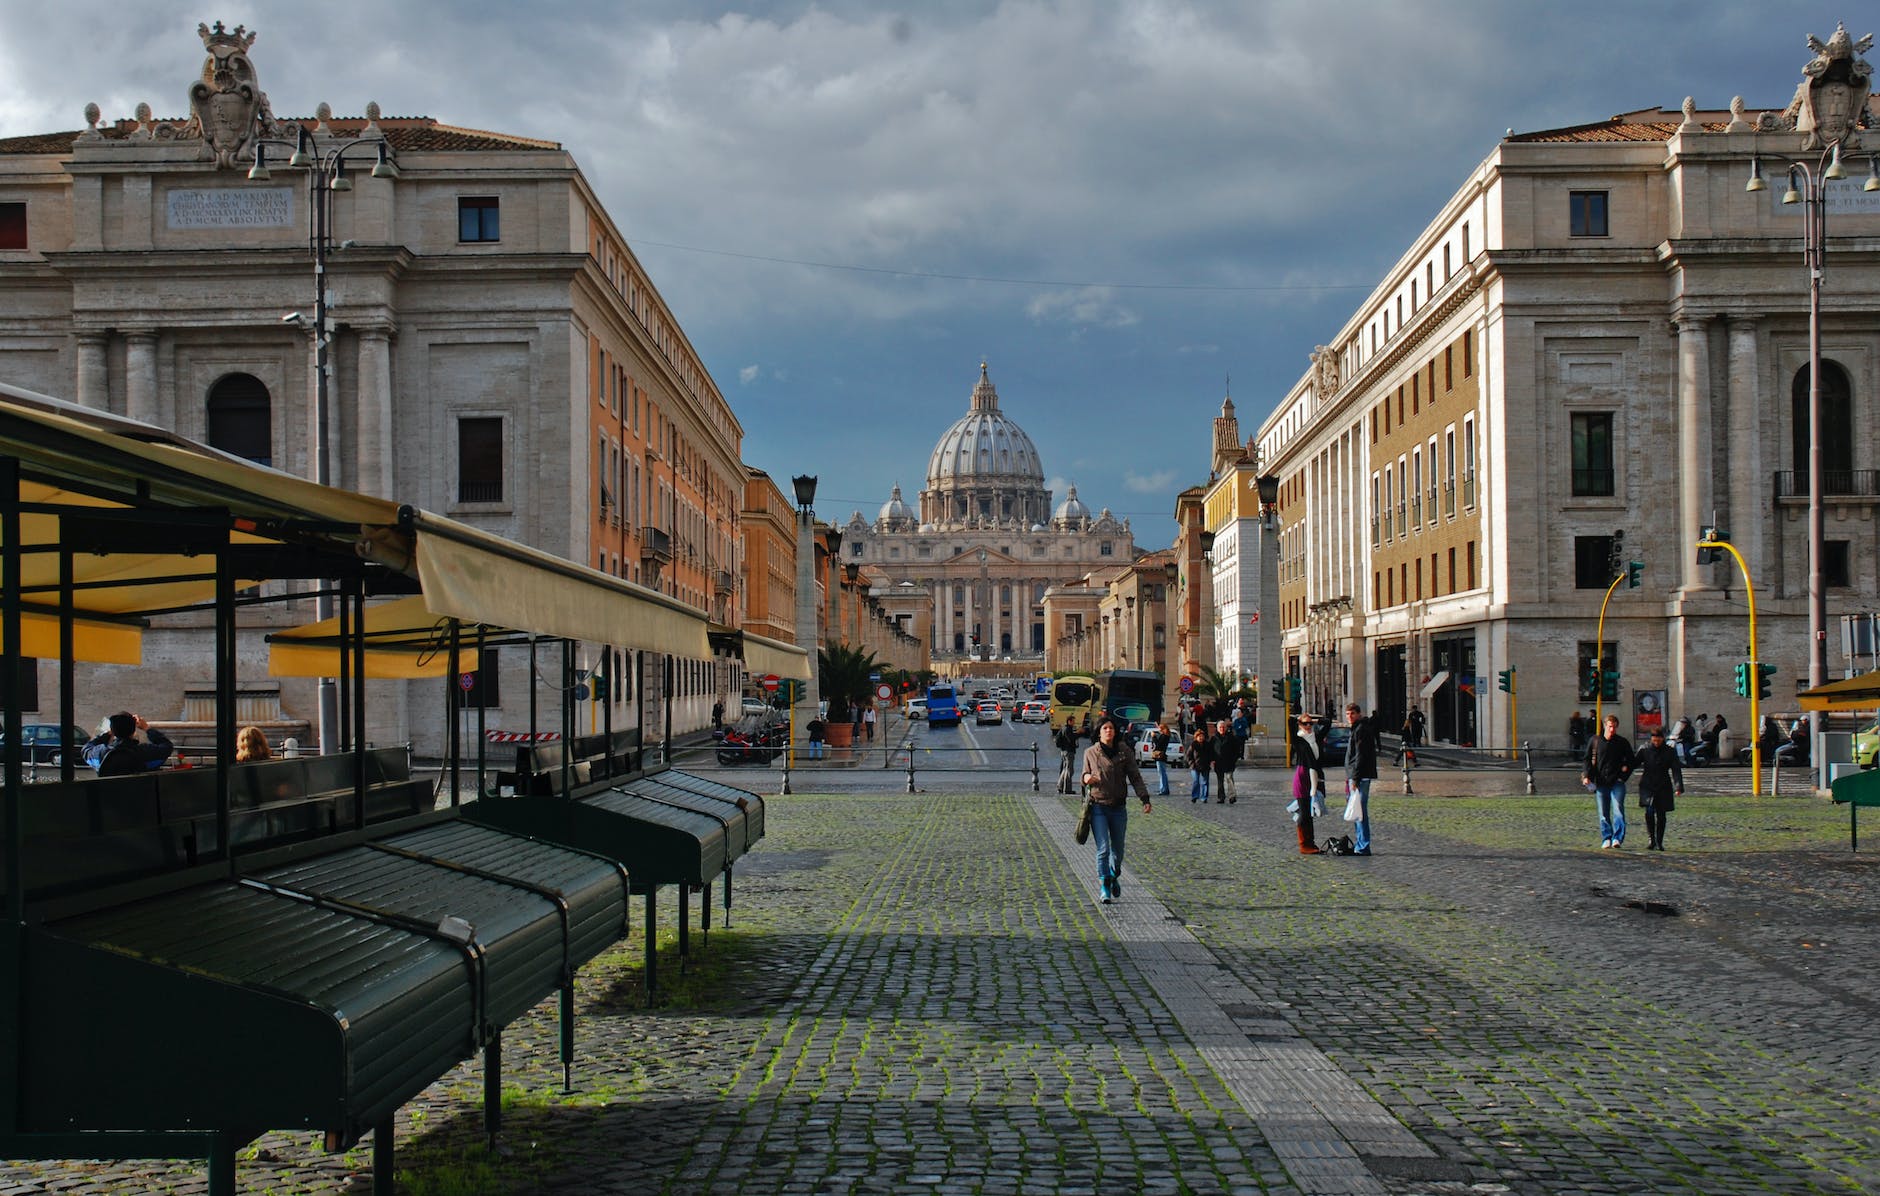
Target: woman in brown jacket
[{"x": 1110, "y": 770}]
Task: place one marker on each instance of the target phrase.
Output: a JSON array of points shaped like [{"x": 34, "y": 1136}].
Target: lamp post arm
[
  {"x": 1599, "y": 651},
  {"x": 1755, "y": 697}
]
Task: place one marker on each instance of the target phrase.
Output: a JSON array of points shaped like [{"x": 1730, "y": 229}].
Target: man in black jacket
[
  {"x": 1227, "y": 751},
  {"x": 1360, "y": 771},
  {"x": 1609, "y": 761},
  {"x": 117, "y": 752}
]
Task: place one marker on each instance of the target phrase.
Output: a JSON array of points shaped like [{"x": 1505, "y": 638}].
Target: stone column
[
  {"x": 1746, "y": 479},
  {"x": 140, "y": 375},
  {"x": 1693, "y": 442},
  {"x": 972, "y": 594},
  {"x": 373, "y": 464},
  {"x": 992, "y": 619},
  {"x": 939, "y": 616},
  {"x": 94, "y": 379}
]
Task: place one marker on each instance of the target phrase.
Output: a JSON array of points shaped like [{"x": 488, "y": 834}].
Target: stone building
[
  {"x": 497, "y": 353},
  {"x": 1599, "y": 346},
  {"x": 984, "y": 541}
]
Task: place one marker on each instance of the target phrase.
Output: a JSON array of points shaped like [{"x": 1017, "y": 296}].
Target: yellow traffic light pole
[
  {"x": 1755, "y": 682},
  {"x": 1599, "y": 656}
]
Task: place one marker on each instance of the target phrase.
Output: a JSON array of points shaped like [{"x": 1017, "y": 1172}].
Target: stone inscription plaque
[{"x": 233, "y": 207}]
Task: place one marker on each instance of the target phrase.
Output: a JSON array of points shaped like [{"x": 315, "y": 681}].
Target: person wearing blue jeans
[
  {"x": 1159, "y": 741},
  {"x": 1110, "y": 771},
  {"x": 1609, "y": 762},
  {"x": 1200, "y": 753},
  {"x": 1360, "y": 771}
]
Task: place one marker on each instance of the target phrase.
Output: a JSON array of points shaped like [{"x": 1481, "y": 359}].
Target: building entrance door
[
  {"x": 1391, "y": 706},
  {"x": 1452, "y": 708}
]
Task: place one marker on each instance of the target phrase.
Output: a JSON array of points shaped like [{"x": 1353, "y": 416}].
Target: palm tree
[
  {"x": 844, "y": 673},
  {"x": 1215, "y": 686}
]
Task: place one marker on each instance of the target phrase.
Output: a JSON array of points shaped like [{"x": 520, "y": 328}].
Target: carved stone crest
[
  {"x": 226, "y": 106},
  {"x": 1324, "y": 373},
  {"x": 1831, "y": 101}
]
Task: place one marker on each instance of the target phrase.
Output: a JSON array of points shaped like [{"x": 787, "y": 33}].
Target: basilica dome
[{"x": 984, "y": 469}]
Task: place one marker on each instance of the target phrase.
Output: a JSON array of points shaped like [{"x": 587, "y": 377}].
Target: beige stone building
[
  {"x": 497, "y": 354},
  {"x": 984, "y": 542},
  {"x": 1601, "y": 335}
]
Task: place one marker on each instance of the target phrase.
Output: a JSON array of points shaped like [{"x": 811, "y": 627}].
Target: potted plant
[{"x": 843, "y": 672}]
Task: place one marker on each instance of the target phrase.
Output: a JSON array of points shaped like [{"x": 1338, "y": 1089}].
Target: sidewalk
[{"x": 920, "y": 993}]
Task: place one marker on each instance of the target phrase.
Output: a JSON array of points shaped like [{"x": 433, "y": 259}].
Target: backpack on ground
[{"x": 1338, "y": 845}]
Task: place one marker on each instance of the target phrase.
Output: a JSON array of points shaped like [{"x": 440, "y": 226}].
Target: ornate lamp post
[
  {"x": 326, "y": 177},
  {"x": 1269, "y": 664},
  {"x": 807, "y": 636}
]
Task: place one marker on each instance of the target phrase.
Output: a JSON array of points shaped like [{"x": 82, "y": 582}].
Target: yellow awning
[
  {"x": 403, "y": 640},
  {"x": 471, "y": 575},
  {"x": 765, "y": 656},
  {"x": 101, "y": 643},
  {"x": 1849, "y": 693}
]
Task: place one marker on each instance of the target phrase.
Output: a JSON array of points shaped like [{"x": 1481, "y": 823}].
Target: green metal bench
[{"x": 1856, "y": 790}]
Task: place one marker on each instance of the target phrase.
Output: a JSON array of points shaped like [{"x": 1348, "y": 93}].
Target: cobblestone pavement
[{"x": 919, "y": 993}]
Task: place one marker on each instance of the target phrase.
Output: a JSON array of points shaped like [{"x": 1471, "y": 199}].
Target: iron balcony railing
[
  {"x": 1592, "y": 483},
  {"x": 1449, "y": 500},
  {"x": 1432, "y": 503},
  {"x": 468, "y": 491},
  {"x": 1859, "y": 483},
  {"x": 1468, "y": 489}
]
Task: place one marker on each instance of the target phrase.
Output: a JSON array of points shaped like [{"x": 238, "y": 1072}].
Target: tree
[
  {"x": 1213, "y": 686},
  {"x": 844, "y": 672}
]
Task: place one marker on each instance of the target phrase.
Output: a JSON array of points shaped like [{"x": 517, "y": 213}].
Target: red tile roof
[{"x": 416, "y": 133}]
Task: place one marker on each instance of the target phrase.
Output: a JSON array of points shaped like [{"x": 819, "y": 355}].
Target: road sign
[
  {"x": 1254, "y": 617},
  {"x": 884, "y": 692},
  {"x": 770, "y": 682},
  {"x": 1188, "y": 685},
  {"x": 466, "y": 681}
]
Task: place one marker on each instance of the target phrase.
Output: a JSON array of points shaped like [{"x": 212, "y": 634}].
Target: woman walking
[
  {"x": 1660, "y": 782},
  {"x": 1305, "y": 767},
  {"x": 1110, "y": 771},
  {"x": 1200, "y": 759}
]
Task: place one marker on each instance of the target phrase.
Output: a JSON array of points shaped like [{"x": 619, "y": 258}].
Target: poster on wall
[{"x": 1648, "y": 713}]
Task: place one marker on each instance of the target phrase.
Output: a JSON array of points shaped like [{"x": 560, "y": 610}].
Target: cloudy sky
[{"x": 1120, "y": 206}]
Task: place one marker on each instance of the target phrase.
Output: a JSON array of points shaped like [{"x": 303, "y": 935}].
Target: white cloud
[
  {"x": 748, "y": 374},
  {"x": 1150, "y": 483},
  {"x": 1086, "y": 307}
]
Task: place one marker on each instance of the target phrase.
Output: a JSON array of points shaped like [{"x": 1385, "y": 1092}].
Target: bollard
[
  {"x": 1409, "y": 762},
  {"x": 785, "y": 791},
  {"x": 910, "y": 768},
  {"x": 1527, "y": 748},
  {"x": 1034, "y": 766},
  {"x": 1775, "y": 775}
]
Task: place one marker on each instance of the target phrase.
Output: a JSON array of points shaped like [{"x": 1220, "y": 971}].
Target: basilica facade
[{"x": 984, "y": 541}]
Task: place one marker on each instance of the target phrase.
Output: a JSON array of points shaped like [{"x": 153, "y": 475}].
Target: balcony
[
  {"x": 1468, "y": 490},
  {"x": 655, "y": 546},
  {"x": 721, "y": 582},
  {"x": 1847, "y": 483},
  {"x": 1431, "y": 493},
  {"x": 1416, "y": 514},
  {"x": 1375, "y": 540},
  {"x": 480, "y": 491},
  {"x": 1592, "y": 483},
  {"x": 1449, "y": 499}
]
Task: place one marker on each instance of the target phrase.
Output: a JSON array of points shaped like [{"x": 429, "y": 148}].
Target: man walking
[
  {"x": 1609, "y": 761},
  {"x": 1360, "y": 771}
]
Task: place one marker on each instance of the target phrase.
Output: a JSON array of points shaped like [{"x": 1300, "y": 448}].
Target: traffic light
[
  {"x": 1507, "y": 681},
  {"x": 1609, "y": 686},
  {"x": 1592, "y": 676},
  {"x": 1292, "y": 691},
  {"x": 1710, "y": 556},
  {"x": 1634, "y": 573},
  {"x": 1615, "y": 563},
  {"x": 1742, "y": 680},
  {"x": 1278, "y": 690},
  {"x": 1763, "y": 673}
]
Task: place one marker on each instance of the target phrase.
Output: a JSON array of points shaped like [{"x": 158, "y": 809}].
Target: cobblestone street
[{"x": 920, "y": 993}]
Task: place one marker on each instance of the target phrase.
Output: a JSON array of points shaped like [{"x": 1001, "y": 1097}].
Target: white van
[{"x": 916, "y": 709}]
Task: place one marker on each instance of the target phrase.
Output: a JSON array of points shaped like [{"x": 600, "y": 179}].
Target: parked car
[
  {"x": 750, "y": 706},
  {"x": 1145, "y": 754},
  {"x": 1867, "y": 746},
  {"x": 1035, "y": 712},
  {"x": 916, "y": 709},
  {"x": 988, "y": 712},
  {"x": 1332, "y": 751},
  {"x": 42, "y": 741}
]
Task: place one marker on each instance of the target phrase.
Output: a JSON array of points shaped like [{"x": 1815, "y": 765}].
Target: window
[
  {"x": 1834, "y": 567},
  {"x": 1449, "y": 475},
  {"x": 1586, "y": 213},
  {"x": 480, "y": 459},
  {"x": 1837, "y": 430},
  {"x": 1468, "y": 352},
  {"x": 238, "y": 418},
  {"x": 1466, "y": 255},
  {"x": 479, "y": 218},
  {"x": 1447, "y": 268},
  {"x": 1468, "y": 463},
  {"x": 1592, "y": 562},
  {"x": 1471, "y": 564},
  {"x": 1592, "y": 453},
  {"x": 1106, "y": 549},
  {"x": 12, "y": 226},
  {"x": 486, "y": 690}
]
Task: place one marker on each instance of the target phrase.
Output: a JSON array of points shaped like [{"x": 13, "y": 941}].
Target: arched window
[
  {"x": 1837, "y": 429},
  {"x": 238, "y": 410}
]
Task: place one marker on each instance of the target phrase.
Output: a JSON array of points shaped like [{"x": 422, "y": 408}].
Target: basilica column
[
  {"x": 94, "y": 384},
  {"x": 1693, "y": 442},
  {"x": 938, "y": 626},
  {"x": 140, "y": 375},
  {"x": 1746, "y": 470},
  {"x": 992, "y": 640},
  {"x": 373, "y": 468}
]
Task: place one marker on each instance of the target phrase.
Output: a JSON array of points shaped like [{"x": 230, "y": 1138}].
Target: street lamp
[
  {"x": 1808, "y": 187},
  {"x": 806, "y": 634},
  {"x": 326, "y": 176}
]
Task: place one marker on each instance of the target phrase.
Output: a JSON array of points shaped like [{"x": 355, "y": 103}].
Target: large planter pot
[{"x": 840, "y": 734}]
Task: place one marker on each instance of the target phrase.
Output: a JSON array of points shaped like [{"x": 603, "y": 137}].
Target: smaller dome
[
  {"x": 895, "y": 510},
  {"x": 1071, "y": 508}
]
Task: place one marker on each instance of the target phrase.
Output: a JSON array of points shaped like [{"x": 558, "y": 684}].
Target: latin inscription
[{"x": 233, "y": 207}]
